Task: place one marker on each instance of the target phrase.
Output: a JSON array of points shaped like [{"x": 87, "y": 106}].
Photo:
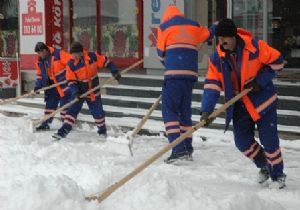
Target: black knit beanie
[
  {"x": 226, "y": 27},
  {"x": 76, "y": 47}
]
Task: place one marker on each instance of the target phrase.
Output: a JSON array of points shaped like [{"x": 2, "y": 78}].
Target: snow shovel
[
  {"x": 139, "y": 126},
  {"x": 30, "y": 93},
  {"x": 108, "y": 191},
  {"x": 38, "y": 122}
]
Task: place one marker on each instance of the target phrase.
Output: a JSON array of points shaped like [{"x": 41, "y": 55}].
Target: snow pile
[
  {"x": 39, "y": 174},
  {"x": 245, "y": 201},
  {"x": 52, "y": 192}
]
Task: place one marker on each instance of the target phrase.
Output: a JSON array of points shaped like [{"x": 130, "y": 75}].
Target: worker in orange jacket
[
  {"x": 51, "y": 69},
  {"x": 242, "y": 62},
  {"x": 177, "y": 48},
  {"x": 82, "y": 76}
]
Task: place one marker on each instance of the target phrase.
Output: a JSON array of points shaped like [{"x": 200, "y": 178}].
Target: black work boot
[
  {"x": 185, "y": 155},
  {"x": 43, "y": 128},
  {"x": 263, "y": 175},
  {"x": 278, "y": 182},
  {"x": 61, "y": 133}
]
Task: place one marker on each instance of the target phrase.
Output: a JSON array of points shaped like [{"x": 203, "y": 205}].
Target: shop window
[
  {"x": 9, "y": 28},
  {"x": 285, "y": 30},
  {"x": 84, "y": 23},
  {"x": 248, "y": 14},
  {"x": 119, "y": 30}
]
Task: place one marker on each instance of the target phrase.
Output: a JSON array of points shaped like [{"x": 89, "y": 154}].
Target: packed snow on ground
[{"x": 39, "y": 174}]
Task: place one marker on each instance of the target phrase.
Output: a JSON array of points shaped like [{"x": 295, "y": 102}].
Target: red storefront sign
[
  {"x": 8, "y": 73},
  {"x": 54, "y": 23},
  {"x": 32, "y": 23}
]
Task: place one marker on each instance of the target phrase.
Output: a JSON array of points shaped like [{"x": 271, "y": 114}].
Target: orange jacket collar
[
  {"x": 171, "y": 12},
  {"x": 246, "y": 36}
]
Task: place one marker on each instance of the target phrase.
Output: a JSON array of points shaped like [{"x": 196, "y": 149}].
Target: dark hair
[
  {"x": 40, "y": 46},
  {"x": 76, "y": 47},
  {"x": 226, "y": 27}
]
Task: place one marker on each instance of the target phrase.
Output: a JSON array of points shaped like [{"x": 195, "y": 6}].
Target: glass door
[
  {"x": 285, "y": 30},
  {"x": 119, "y": 28},
  {"x": 248, "y": 14},
  {"x": 84, "y": 23},
  {"x": 9, "y": 26},
  {"x": 112, "y": 27},
  {"x": 272, "y": 20}
]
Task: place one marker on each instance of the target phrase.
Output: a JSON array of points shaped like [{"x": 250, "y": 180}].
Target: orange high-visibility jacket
[
  {"x": 54, "y": 68},
  {"x": 82, "y": 74},
  {"x": 256, "y": 60},
  {"x": 177, "y": 44}
]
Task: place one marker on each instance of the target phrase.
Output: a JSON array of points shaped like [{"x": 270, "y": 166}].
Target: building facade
[{"x": 125, "y": 31}]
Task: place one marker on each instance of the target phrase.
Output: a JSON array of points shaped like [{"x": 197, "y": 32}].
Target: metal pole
[
  {"x": 229, "y": 8},
  {"x": 265, "y": 20},
  {"x": 19, "y": 75}
]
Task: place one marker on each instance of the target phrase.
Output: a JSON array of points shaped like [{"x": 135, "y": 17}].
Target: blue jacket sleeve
[
  {"x": 212, "y": 32},
  {"x": 209, "y": 100},
  {"x": 113, "y": 68},
  {"x": 265, "y": 76},
  {"x": 161, "y": 56},
  {"x": 38, "y": 83}
]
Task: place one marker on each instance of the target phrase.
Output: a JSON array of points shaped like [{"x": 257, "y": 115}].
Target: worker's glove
[
  {"x": 204, "y": 116},
  {"x": 117, "y": 75},
  {"x": 254, "y": 85},
  {"x": 36, "y": 89}
]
